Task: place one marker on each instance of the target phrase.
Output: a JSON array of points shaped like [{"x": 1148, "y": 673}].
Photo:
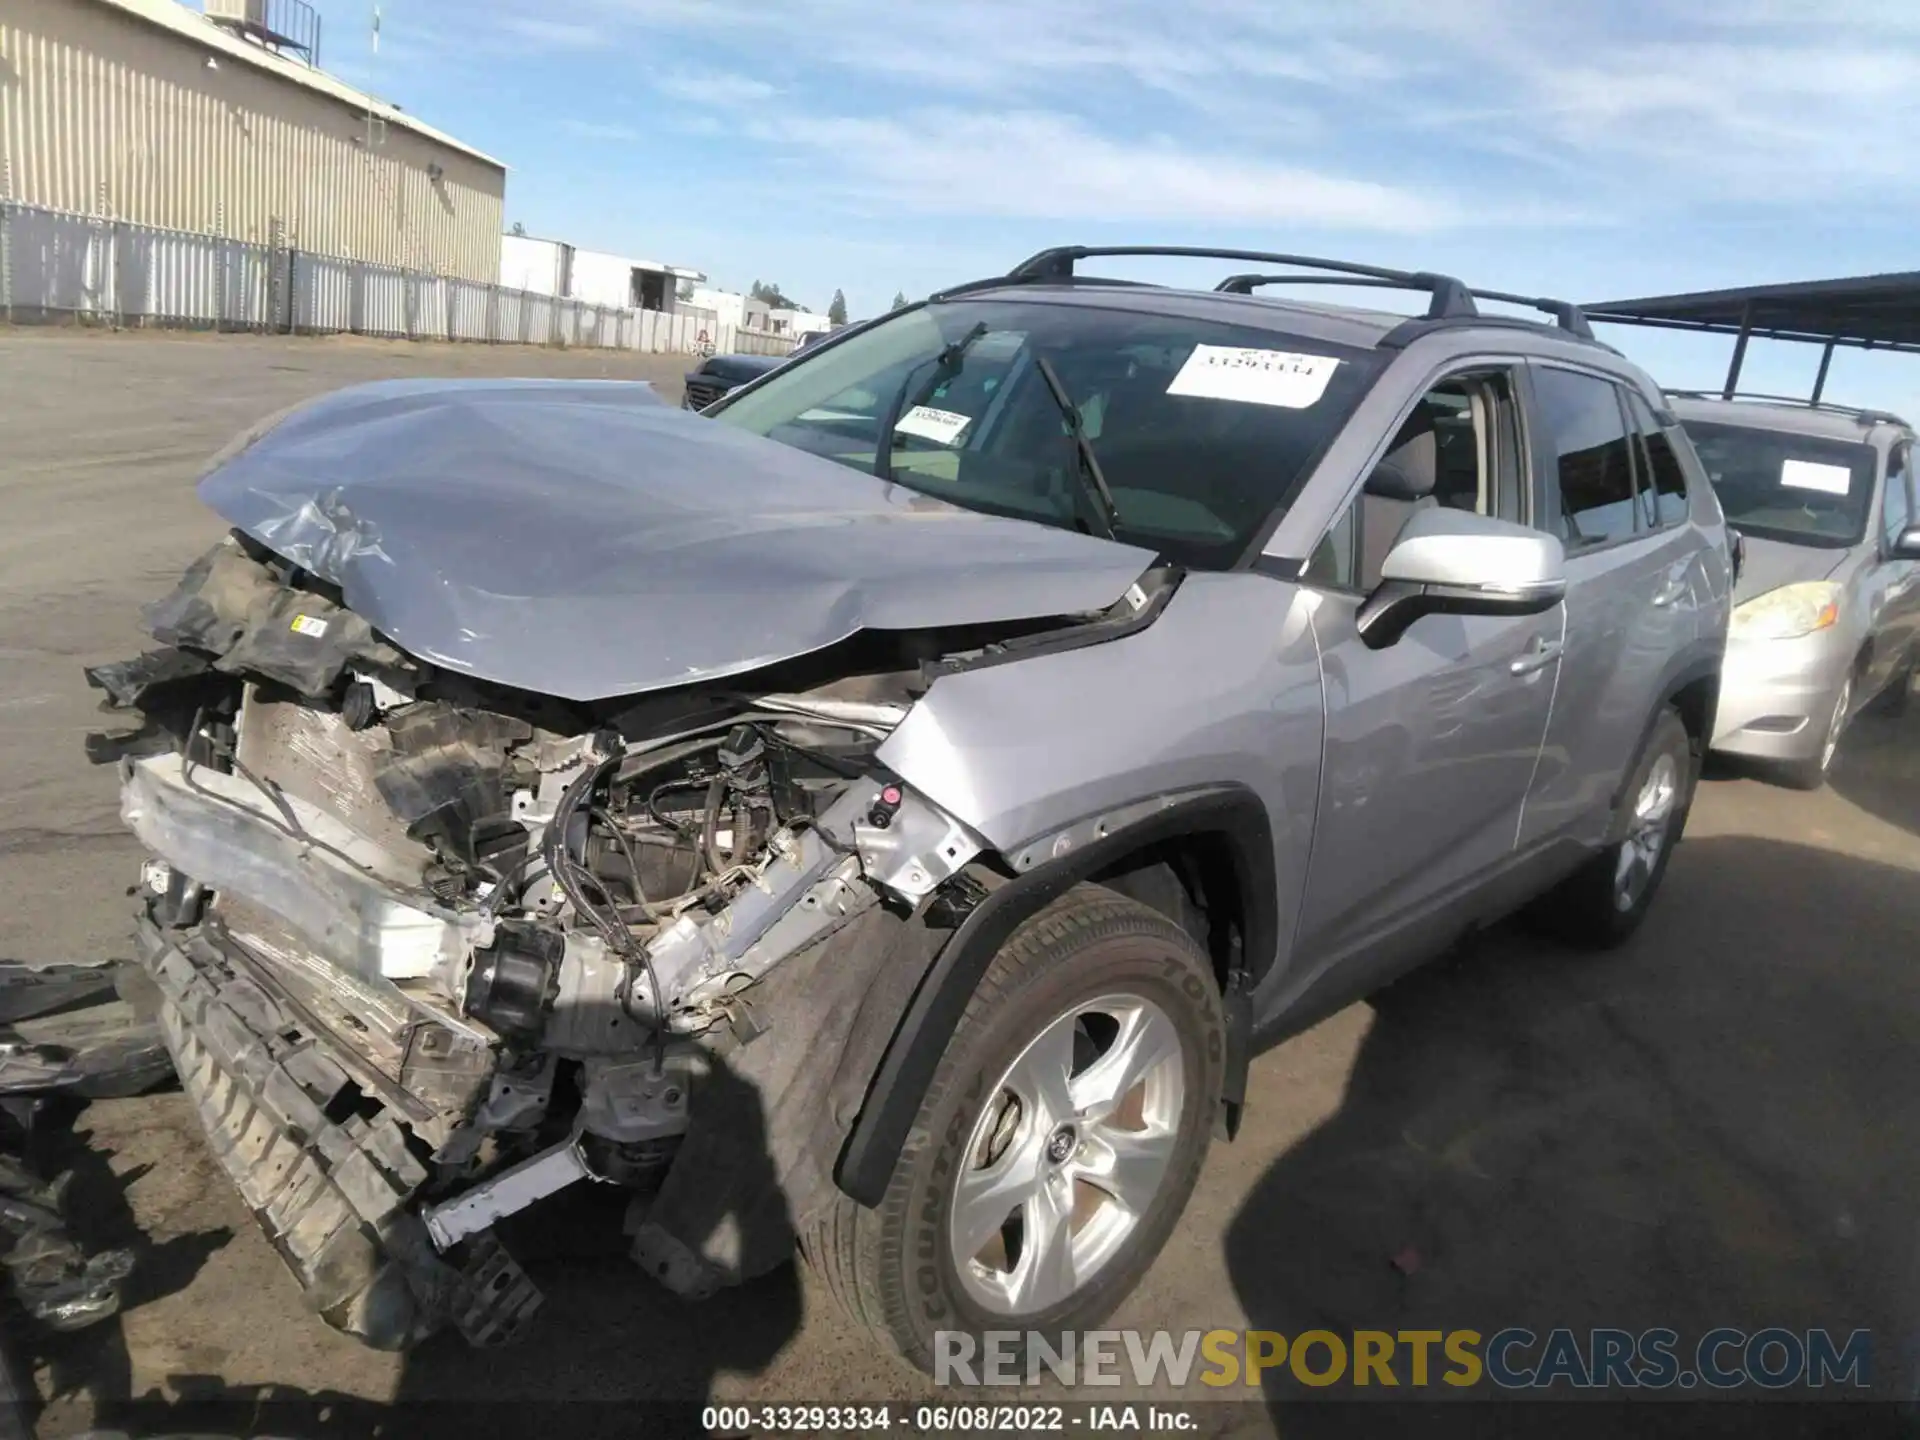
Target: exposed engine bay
[
  {"x": 512, "y": 787},
  {"x": 495, "y": 939}
]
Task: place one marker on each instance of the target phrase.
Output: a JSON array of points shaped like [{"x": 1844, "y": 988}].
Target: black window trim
[
  {"x": 1549, "y": 464},
  {"x": 1639, "y": 466},
  {"x": 1641, "y": 451},
  {"x": 1900, "y": 443}
]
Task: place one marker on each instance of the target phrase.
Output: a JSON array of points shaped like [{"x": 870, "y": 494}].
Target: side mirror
[
  {"x": 1453, "y": 562},
  {"x": 1907, "y": 546}
]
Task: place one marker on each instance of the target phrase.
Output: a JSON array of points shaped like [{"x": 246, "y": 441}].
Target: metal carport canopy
[{"x": 1869, "y": 312}]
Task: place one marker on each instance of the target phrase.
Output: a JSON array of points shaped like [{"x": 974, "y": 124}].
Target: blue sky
[{"x": 1591, "y": 150}]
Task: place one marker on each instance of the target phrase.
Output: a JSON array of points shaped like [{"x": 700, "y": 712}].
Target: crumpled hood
[
  {"x": 1770, "y": 564},
  {"x": 583, "y": 539}
]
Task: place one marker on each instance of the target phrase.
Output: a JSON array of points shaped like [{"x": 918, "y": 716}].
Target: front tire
[
  {"x": 1604, "y": 901},
  {"x": 1897, "y": 699},
  {"x": 1058, "y": 1143},
  {"x": 1811, "y": 773}
]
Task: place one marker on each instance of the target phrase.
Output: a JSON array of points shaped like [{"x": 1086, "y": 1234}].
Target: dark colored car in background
[{"x": 720, "y": 373}]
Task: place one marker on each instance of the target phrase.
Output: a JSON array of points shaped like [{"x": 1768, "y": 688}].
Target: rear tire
[
  {"x": 1101, "y": 986},
  {"x": 1604, "y": 901}
]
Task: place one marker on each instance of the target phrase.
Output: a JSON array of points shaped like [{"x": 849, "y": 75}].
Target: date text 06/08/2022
[{"x": 937, "y": 1419}]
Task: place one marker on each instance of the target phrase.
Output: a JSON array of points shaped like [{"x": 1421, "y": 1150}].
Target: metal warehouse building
[{"x": 148, "y": 112}]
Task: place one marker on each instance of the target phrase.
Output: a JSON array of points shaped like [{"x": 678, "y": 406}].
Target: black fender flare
[
  {"x": 1683, "y": 674},
  {"x": 866, "y": 1162}
]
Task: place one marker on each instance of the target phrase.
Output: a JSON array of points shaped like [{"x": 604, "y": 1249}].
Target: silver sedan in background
[{"x": 1827, "y": 609}]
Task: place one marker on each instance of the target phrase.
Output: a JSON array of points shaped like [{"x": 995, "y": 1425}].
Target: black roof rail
[
  {"x": 1566, "y": 315},
  {"x": 1000, "y": 282},
  {"x": 1865, "y": 417},
  {"x": 1451, "y": 299}
]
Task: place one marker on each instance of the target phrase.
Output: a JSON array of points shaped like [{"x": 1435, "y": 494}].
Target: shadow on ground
[
  {"x": 1710, "y": 1127},
  {"x": 1878, "y": 765},
  {"x": 94, "y": 1362}
]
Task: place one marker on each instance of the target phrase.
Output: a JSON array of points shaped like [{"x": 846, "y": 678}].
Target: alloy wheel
[
  {"x": 1836, "y": 725},
  {"x": 1647, "y": 832},
  {"x": 1068, "y": 1154}
]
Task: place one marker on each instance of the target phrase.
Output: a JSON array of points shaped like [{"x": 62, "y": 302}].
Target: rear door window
[{"x": 1593, "y": 457}]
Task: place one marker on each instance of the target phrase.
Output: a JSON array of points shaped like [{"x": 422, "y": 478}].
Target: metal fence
[{"x": 56, "y": 266}]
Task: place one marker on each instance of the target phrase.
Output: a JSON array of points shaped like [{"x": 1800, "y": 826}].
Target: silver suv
[
  {"x": 886, "y": 812},
  {"x": 1827, "y": 607}
]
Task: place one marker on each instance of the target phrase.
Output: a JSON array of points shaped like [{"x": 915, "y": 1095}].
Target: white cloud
[
  {"x": 1784, "y": 104},
  {"x": 1048, "y": 166},
  {"x": 1457, "y": 123},
  {"x": 716, "y": 88},
  {"x": 601, "y": 130},
  {"x": 547, "y": 33},
  {"x": 1675, "y": 103}
]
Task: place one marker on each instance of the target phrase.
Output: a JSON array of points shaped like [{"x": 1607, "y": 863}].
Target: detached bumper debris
[
  {"x": 68, "y": 1029},
  {"x": 64, "y": 1030},
  {"x": 53, "y": 1278}
]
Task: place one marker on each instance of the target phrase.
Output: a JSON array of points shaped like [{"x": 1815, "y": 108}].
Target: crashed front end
[
  {"x": 508, "y": 776},
  {"x": 430, "y": 950}
]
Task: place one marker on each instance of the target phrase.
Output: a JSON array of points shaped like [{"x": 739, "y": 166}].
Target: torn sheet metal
[
  {"x": 584, "y": 540},
  {"x": 66, "y": 1029},
  {"x": 56, "y": 1281}
]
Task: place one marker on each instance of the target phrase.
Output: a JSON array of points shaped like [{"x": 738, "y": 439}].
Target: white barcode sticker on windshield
[
  {"x": 943, "y": 427},
  {"x": 1806, "y": 475},
  {"x": 1254, "y": 377}
]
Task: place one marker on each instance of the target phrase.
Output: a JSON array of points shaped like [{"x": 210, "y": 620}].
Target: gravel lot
[{"x": 1714, "y": 1126}]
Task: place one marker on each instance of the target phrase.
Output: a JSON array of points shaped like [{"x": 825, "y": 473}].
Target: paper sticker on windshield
[
  {"x": 309, "y": 625},
  {"x": 943, "y": 427},
  {"x": 1254, "y": 377},
  {"x": 1806, "y": 475}
]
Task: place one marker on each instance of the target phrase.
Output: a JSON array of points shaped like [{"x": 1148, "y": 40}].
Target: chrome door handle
[{"x": 1543, "y": 654}]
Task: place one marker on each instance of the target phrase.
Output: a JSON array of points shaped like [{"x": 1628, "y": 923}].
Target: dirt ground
[{"x": 1713, "y": 1126}]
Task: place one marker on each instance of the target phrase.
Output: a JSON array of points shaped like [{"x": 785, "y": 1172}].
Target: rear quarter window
[{"x": 1663, "y": 498}]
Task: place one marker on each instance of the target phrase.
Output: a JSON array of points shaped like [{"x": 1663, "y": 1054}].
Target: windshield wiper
[
  {"x": 945, "y": 366},
  {"x": 1086, "y": 465}
]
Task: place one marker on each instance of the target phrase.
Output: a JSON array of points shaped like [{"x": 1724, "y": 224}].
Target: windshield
[
  {"x": 1795, "y": 488},
  {"x": 1203, "y": 431}
]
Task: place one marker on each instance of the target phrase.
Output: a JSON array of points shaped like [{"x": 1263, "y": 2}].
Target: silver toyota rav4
[
  {"x": 883, "y": 814},
  {"x": 1827, "y": 607}
]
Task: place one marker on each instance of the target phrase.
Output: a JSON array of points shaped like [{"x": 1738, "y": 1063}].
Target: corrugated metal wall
[
  {"x": 55, "y": 266},
  {"x": 103, "y": 114}
]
